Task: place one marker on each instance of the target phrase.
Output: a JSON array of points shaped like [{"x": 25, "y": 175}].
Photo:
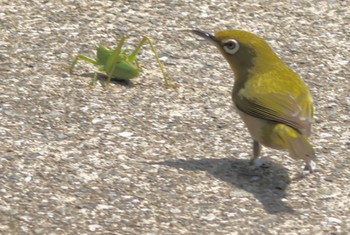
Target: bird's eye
[{"x": 231, "y": 46}]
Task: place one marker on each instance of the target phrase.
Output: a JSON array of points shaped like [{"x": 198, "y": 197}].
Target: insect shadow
[
  {"x": 103, "y": 78},
  {"x": 267, "y": 185}
]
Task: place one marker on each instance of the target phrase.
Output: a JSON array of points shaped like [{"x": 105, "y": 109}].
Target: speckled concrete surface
[{"x": 139, "y": 158}]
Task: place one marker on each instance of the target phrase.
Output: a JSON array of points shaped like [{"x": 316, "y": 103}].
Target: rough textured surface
[{"x": 142, "y": 159}]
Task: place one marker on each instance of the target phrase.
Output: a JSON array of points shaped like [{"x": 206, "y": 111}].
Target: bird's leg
[{"x": 256, "y": 150}]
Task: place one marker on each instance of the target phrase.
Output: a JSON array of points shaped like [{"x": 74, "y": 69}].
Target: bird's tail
[{"x": 298, "y": 145}]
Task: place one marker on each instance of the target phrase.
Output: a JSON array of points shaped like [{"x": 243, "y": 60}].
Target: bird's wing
[{"x": 294, "y": 109}]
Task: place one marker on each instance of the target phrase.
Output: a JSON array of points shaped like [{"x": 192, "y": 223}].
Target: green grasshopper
[{"x": 117, "y": 64}]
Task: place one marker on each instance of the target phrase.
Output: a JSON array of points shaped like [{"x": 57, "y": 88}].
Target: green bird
[{"x": 272, "y": 100}]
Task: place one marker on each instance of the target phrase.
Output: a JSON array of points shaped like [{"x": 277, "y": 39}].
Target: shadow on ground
[
  {"x": 102, "y": 79},
  {"x": 266, "y": 184}
]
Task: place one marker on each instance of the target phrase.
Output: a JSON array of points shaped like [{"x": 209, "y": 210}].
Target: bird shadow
[
  {"x": 103, "y": 78},
  {"x": 268, "y": 185}
]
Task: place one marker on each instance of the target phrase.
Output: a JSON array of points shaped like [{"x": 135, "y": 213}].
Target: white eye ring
[{"x": 230, "y": 46}]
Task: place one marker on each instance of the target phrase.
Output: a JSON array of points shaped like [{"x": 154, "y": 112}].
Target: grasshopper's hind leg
[{"x": 133, "y": 55}]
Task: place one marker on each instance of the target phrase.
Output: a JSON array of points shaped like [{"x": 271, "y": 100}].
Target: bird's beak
[{"x": 208, "y": 36}]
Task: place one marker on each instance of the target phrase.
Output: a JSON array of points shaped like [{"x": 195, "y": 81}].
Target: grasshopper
[{"x": 118, "y": 64}]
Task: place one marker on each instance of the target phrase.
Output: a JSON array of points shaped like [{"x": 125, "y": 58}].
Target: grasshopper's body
[
  {"x": 124, "y": 68},
  {"x": 117, "y": 64}
]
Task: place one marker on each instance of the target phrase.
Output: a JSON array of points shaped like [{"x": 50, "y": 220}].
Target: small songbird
[{"x": 273, "y": 101}]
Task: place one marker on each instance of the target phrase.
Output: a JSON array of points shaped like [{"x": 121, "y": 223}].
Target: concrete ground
[{"x": 140, "y": 158}]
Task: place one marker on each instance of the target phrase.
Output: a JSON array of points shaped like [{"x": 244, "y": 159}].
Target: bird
[{"x": 272, "y": 100}]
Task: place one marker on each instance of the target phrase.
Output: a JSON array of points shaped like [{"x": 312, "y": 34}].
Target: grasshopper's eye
[{"x": 230, "y": 46}]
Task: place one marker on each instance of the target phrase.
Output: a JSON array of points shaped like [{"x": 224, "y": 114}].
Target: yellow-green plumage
[{"x": 272, "y": 99}]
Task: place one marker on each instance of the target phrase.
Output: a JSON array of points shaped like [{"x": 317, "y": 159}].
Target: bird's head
[{"x": 244, "y": 51}]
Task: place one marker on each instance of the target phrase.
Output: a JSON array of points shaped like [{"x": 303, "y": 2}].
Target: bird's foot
[
  {"x": 310, "y": 167},
  {"x": 260, "y": 163}
]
